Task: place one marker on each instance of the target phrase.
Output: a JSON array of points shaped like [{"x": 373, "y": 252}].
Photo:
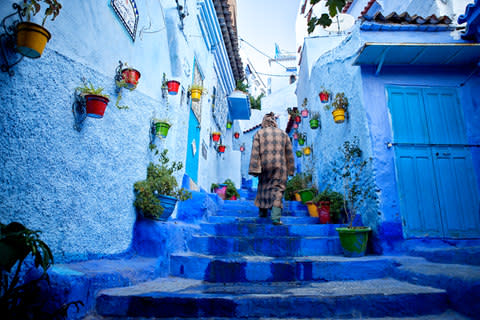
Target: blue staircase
[{"x": 237, "y": 265}]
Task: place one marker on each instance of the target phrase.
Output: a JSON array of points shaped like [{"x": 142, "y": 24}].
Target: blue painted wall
[
  {"x": 77, "y": 187},
  {"x": 369, "y": 118}
]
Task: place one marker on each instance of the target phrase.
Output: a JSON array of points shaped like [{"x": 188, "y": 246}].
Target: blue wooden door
[
  {"x": 193, "y": 146},
  {"x": 436, "y": 183}
]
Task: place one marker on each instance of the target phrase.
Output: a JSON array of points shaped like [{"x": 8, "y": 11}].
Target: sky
[{"x": 262, "y": 23}]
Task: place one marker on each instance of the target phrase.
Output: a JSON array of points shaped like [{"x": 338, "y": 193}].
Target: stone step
[
  {"x": 178, "y": 297},
  {"x": 462, "y": 282},
  {"x": 276, "y": 246},
  {"x": 261, "y": 268},
  {"x": 447, "y": 315},
  {"x": 285, "y": 220},
  {"x": 254, "y": 212},
  {"x": 452, "y": 254},
  {"x": 256, "y": 229}
]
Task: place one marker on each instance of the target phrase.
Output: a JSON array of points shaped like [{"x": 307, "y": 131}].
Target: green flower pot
[
  {"x": 354, "y": 241},
  {"x": 314, "y": 123},
  {"x": 306, "y": 195},
  {"x": 301, "y": 141},
  {"x": 161, "y": 129},
  {"x": 299, "y": 154}
]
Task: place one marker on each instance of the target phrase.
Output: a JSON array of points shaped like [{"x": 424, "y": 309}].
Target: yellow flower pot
[
  {"x": 338, "y": 115},
  {"x": 312, "y": 209},
  {"x": 307, "y": 151},
  {"x": 297, "y": 197},
  {"x": 31, "y": 39},
  {"x": 196, "y": 94}
]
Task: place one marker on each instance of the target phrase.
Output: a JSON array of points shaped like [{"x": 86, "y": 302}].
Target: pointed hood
[{"x": 269, "y": 120}]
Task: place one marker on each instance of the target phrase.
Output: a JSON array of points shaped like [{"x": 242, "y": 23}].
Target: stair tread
[
  {"x": 251, "y": 237},
  {"x": 419, "y": 265},
  {"x": 191, "y": 288}
]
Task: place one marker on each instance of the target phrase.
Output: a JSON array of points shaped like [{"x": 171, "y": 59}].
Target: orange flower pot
[
  {"x": 31, "y": 39},
  {"x": 338, "y": 115}
]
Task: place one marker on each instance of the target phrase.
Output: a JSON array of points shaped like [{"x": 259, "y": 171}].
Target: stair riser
[
  {"x": 285, "y": 220},
  {"x": 268, "y": 230},
  {"x": 275, "y": 247},
  {"x": 271, "y": 306},
  {"x": 254, "y": 213},
  {"x": 224, "y": 271}
]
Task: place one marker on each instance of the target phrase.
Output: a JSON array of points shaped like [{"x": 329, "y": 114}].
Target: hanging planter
[
  {"x": 95, "y": 101},
  {"x": 301, "y": 139},
  {"x": 324, "y": 96},
  {"x": 307, "y": 151},
  {"x": 161, "y": 128},
  {"x": 295, "y": 125},
  {"x": 242, "y": 148},
  {"x": 130, "y": 78},
  {"x": 31, "y": 39},
  {"x": 299, "y": 154},
  {"x": 172, "y": 87},
  {"x": 221, "y": 148},
  {"x": 229, "y": 124},
  {"x": 196, "y": 92},
  {"x": 339, "y": 105},
  {"x": 315, "y": 120},
  {"x": 298, "y": 119},
  {"x": 216, "y": 136},
  {"x": 305, "y": 113},
  {"x": 236, "y": 135},
  {"x": 295, "y": 135}
]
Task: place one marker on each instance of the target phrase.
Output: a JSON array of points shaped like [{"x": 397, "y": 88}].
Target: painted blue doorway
[
  {"x": 435, "y": 177},
  {"x": 194, "y": 120}
]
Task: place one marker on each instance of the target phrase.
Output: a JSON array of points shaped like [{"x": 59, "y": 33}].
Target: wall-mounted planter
[
  {"x": 31, "y": 39},
  {"x": 196, "y": 93},
  {"x": 161, "y": 128},
  {"x": 324, "y": 96},
  {"x": 314, "y": 123},
  {"x": 242, "y": 148},
  {"x": 298, "y": 119},
  {"x": 216, "y": 136},
  {"x": 236, "y": 135},
  {"x": 130, "y": 77},
  {"x": 299, "y": 154},
  {"x": 96, "y": 105},
  {"x": 295, "y": 125},
  {"x": 221, "y": 148},
  {"x": 338, "y": 115},
  {"x": 229, "y": 124},
  {"x": 172, "y": 87},
  {"x": 307, "y": 151},
  {"x": 301, "y": 141},
  {"x": 305, "y": 113},
  {"x": 295, "y": 135}
]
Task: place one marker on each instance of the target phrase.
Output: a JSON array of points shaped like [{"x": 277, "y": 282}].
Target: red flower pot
[
  {"x": 242, "y": 148},
  {"x": 295, "y": 125},
  {"x": 305, "y": 113},
  {"x": 323, "y": 97},
  {"x": 236, "y": 135},
  {"x": 215, "y": 137},
  {"x": 298, "y": 119},
  {"x": 221, "y": 148},
  {"x": 324, "y": 212},
  {"x": 295, "y": 136},
  {"x": 173, "y": 86},
  {"x": 130, "y": 77},
  {"x": 96, "y": 105}
]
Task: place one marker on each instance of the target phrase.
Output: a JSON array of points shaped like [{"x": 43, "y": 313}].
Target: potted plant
[
  {"x": 221, "y": 148},
  {"x": 307, "y": 150},
  {"x": 161, "y": 127},
  {"x": 295, "y": 183},
  {"x": 172, "y": 86},
  {"x": 295, "y": 115},
  {"x": 96, "y": 102},
  {"x": 324, "y": 95},
  {"x": 216, "y": 136},
  {"x": 229, "y": 124},
  {"x": 196, "y": 92},
  {"x": 231, "y": 192},
  {"x": 31, "y": 37},
  {"x": 357, "y": 189},
  {"x": 315, "y": 120},
  {"x": 301, "y": 138},
  {"x": 157, "y": 195},
  {"x": 236, "y": 135},
  {"x": 304, "y": 110},
  {"x": 340, "y": 105},
  {"x": 299, "y": 153},
  {"x": 330, "y": 206}
]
